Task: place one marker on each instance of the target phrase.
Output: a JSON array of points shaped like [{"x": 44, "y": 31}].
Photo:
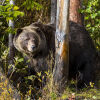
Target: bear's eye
[{"x": 27, "y": 39}]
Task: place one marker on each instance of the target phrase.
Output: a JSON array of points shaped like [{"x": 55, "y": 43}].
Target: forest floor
[{"x": 7, "y": 91}]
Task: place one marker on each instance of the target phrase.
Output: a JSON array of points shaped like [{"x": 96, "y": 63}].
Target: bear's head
[{"x": 30, "y": 40}]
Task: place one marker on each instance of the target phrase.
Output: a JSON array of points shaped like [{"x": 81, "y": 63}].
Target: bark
[
  {"x": 11, "y": 49},
  {"x": 11, "y": 46},
  {"x": 62, "y": 44},
  {"x": 74, "y": 14},
  {"x": 53, "y": 11}
]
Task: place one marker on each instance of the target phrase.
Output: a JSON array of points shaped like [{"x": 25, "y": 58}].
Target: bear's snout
[{"x": 31, "y": 45}]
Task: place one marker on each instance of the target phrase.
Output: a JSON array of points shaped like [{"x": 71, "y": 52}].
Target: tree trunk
[
  {"x": 74, "y": 14},
  {"x": 11, "y": 46},
  {"x": 62, "y": 44},
  {"x": 11, "y": 49},
  {"x": 53, "y": 11}
]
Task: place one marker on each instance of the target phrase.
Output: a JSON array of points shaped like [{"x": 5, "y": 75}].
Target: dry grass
[{"x": 7, "y": 91}]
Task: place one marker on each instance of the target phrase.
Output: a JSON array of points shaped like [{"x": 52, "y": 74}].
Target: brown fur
[{"x": 44, "y": 36}]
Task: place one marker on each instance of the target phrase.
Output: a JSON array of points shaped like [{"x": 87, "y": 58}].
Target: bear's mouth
[{"x": 36, "y": 54}]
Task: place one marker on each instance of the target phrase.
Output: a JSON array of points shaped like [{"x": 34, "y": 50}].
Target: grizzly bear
[
  {"x": 37, "y": 40},
  {"x": 82, "y": 55}
]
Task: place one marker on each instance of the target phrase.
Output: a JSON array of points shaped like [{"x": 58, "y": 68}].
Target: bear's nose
[{"x": 33, "y": 47}]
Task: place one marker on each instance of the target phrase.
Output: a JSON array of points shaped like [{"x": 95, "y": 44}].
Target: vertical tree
[
  {"x": 11, "y": 46},
  {"x": 62, "y": 45},
  {"x": 53, "y": 11},
  {"x": 74, "y": 14}
]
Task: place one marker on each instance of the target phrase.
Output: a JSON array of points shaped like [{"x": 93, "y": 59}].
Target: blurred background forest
[{"x": 25, "y": 12}]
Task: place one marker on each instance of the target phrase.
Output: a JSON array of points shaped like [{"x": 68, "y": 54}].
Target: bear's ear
[
  {"x": 37, "y": 24},
  {"x": 18, "y": 32}
]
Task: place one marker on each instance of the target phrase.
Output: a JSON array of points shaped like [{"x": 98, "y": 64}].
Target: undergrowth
[{"x": 26, "y": 82}]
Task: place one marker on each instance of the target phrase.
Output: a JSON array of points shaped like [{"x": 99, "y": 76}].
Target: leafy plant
[
  {"x": 32, "y": 4},
  {"x": 9, "y": 11},
  {"x": 91, "y": 11}
]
